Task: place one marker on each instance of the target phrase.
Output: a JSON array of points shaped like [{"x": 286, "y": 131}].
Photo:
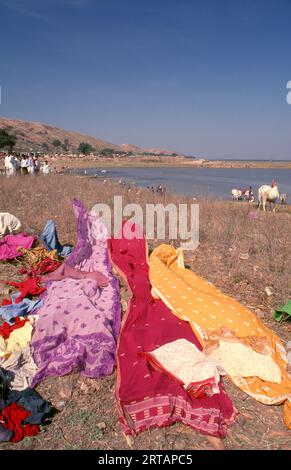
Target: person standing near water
[
  {"x": 31, "y": 165},
  {"x": 251, "y": 195},
  {"x": 24, "y": 165},
  {"x": 46, "y": 168},
  {"x": 36, "y": 165}
]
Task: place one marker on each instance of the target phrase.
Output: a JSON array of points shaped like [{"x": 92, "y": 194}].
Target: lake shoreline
[
  {"x": 209, "y": 183},
  {"x": 83, "y": 162}
]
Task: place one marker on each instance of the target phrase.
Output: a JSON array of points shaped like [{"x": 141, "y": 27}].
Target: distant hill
[
  {"x": 155, "y": 151},
  {"x": 42, "y": 137}
]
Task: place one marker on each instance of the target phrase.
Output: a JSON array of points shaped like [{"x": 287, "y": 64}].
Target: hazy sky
[{"x": 205, "y": 77}]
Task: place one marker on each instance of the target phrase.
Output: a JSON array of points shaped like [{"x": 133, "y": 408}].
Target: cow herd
[{"x": 266, "y": 194}]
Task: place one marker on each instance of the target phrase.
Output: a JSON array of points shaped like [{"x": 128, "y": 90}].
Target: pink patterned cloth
[
  {"x": 78, "y": 325},
  {"x": 10, "y": 243},
  {"x": 67, "y": 271}
]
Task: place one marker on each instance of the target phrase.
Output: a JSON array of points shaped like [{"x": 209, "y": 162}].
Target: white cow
[
  {"x": 236, "y": 193},
  {"x": 283, "y": 198},
  {"x": 268, "y": 194}
]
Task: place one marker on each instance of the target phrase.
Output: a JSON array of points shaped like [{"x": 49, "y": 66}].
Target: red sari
[{"x": 147, "y": 398}]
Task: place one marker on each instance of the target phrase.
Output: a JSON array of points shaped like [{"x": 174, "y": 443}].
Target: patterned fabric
[
  {"x": 18, "y": 339},
  {"x": 79, "y": 323},
  {"x": 183, "y": 361},
  {"x": 33, "y": 257},
  {"x": 20, "y": 368},
  {"x": 10, "y": 312},
  {"x": 193, "y": 299},
  {"x": 6, "y": 329},
  {"x": 46, "y": 266},
  {"x": 66, "y": 271},
  {"x": 147, "y": 398},
  {"x": 238, "y": 359}
]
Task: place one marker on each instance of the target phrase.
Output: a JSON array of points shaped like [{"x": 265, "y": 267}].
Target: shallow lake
[{"x": 211, "y": 182}]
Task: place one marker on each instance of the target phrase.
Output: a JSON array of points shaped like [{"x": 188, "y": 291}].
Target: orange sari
[{"x": 212, "y": 313}]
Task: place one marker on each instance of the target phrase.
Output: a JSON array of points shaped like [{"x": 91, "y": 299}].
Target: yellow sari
[{"x": 212, "y": 313}]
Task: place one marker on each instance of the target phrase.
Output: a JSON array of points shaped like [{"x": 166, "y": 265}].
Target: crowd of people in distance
[
  {"x": 24, "y": 165},
  {"x": 158, "y": 189}
]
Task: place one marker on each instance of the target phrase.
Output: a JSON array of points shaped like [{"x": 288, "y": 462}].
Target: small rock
[
  {"x": 60, "y": 405},
  {"x": 244, "y": 256},
  {"x": 65, "y": 392},
  {"x": 268, "y": 291},
  {"x": 101, "y": 425},
  {"x": 95, "y": 386},
  {"x": 84, "y": 388}
]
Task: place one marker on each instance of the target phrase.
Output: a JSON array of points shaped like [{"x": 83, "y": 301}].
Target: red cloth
[
  {"x": 29, "y": 287},
  {"x": 45, "y": 266},
  {"x": 6, "y": 329},
  {"x": 12, "y": 417},
  {"x": 147, "y": 398},
  {"x": 6, "y": 302}
]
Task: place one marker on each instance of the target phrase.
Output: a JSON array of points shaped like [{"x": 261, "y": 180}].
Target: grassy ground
[{"x": 241, "y": 251}]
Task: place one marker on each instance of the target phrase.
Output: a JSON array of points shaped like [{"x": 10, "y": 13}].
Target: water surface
[{"x": 212, "y": 182}]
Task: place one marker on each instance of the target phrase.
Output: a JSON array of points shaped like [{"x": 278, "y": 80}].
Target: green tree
[
  {"x": 7, "y": 140},
  {"x": 85, "y": 148},
  {"x": 108, "y": 151},
  {"x": 65, "y": 145},
  {"x": 57, "y": 143},
  {"x": 45, "y": 146}
]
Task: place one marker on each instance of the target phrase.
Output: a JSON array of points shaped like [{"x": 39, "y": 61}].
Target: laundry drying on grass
[
  {"x": 179, "y": 336},
  {"x": 250, "y": 353},
  {"x": 148, "y": 397},
  {"x": 78, "y": 325}
]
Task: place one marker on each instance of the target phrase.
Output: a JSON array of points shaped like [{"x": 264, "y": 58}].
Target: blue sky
[{"x": 204, "y": 77}]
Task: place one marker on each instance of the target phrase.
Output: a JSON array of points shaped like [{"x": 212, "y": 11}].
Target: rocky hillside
[{"x": 42, "y": 137}]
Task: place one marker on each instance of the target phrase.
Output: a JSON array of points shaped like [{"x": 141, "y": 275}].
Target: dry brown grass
[{"x": 226, "y": 233}]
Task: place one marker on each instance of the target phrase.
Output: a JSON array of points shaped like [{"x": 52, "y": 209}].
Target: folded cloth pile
[{"x": 21, "y": 413}]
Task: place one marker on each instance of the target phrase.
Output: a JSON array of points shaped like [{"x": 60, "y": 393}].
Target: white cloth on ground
[{"x": 8, "y": 223}]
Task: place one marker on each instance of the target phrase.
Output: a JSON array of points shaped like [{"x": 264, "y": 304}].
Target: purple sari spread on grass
[{"x": 79, "y": 323}]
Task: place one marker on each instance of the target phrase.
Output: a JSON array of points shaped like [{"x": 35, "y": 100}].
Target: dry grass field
[{"x": 242, "y": 251}]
